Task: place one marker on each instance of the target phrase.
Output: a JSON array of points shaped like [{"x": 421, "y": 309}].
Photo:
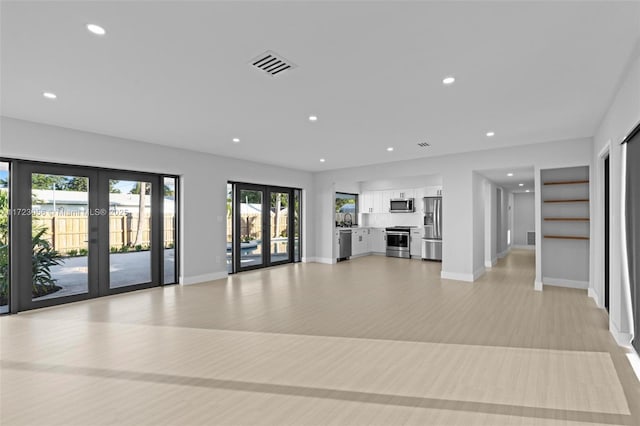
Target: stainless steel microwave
[{"x": 401, "y": 205}]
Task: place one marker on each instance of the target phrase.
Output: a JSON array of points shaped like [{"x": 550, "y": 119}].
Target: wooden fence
[
  {"x": 68, "y": 233},
  {"x": 250, "y": 225}
]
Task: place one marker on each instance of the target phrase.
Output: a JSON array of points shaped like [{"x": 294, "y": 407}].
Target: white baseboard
[
  {"x": 326, "y": 260},
  {"x": 592, "y": 293},
  {"x": 537, "y": 285},
  {"x": 197, "y": 279},
  {"x": 560, "y": 282},
  {"x": 527, "y": 247},
  {"x": 490, "y": 263},
  {"x": 456, "y": 276},
  {"x": 622, "y": 339},
  {"x": 504, "y": 253},
  {"x": 634, "y": 360},
  {"x": 479, "y": 272}
]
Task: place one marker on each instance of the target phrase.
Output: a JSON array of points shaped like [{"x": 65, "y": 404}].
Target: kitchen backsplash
[{"x": 383, "y": 220}]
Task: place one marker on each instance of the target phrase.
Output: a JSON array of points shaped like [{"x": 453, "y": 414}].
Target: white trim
[
  {"x": 490, "y": 264},
  {"x": 634, "y": 360},
  {"x": 527, "y": 247},
  {"x": 456, "y": 276},
  {"x": 198, "y": 279},
  {"x": 560, "y": 282},
  {"x": 625, "y": 282},
  {"x": 325, "y": 260},
  {"x": 622, "y": 339},
  {"x": 592, "y": 293},
  {"x": 537, "y": 285},
  {"x": 504, "y": 253},
  {"x": 479, "y": 272}
]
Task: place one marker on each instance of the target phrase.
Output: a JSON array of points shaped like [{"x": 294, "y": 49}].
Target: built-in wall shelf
[
  {"x": 565, "y": 224},
  {"x": 568, "y": 219},
  {"x": 577, "y": 200},
  {"x": 566, "y": 237},
  {"x": 566, "y": 182}
]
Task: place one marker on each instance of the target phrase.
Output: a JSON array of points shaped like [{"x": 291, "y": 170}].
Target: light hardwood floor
[{"x": 374, "y": 340}]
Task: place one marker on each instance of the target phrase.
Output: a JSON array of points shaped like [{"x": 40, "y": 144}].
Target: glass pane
[
  {"x": 4, "y": 237},
  {"x": 297, "y": 205},
  {"x": 170, "y": 230},
  {"x": 129, "y": 233},
  {"x": 250, "y": 228},
  {"x": 279, "y": 210},
  {"x": 59, "y": 229},
  {"x": 230, "y": 228}
]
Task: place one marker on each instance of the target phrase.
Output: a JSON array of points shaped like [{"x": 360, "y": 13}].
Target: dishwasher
[{"x": 344, "y": 241}]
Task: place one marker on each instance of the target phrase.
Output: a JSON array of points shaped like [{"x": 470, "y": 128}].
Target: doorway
[
  {"x": 80, "y": 233},
  {"x": 266, "y": 226},
  {"x": 606, "y": 232}
]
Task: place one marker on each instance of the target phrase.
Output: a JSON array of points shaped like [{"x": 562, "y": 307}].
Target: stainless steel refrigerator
[{"x": 432, "y": 239}]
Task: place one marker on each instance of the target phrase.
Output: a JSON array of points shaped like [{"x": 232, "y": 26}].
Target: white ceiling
[
  {"x": 500, "y": 177},
  {"x": 177, "y": 73}
]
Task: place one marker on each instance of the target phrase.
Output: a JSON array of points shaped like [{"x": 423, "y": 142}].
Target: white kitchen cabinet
[
  {"x": 360, "y": 241},
  {"x": 402, "y": 193},
  {"x": 366, "y": 202},
  {"x": 378, "y": 202},
  {"x": 433, "y": 191},
  {"x": 415, "y": 244},
  {"x": 336, "y": 244},
  {"x": 378, "y": 240}
]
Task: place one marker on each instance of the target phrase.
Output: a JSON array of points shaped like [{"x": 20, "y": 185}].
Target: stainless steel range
[{"x": 398, "y": 238}]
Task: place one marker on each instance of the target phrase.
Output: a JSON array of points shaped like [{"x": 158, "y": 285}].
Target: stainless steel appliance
[
  {"x": 432, "y": 240},
  {"x": 344, "y": 242},
  {"x": 401, "y": 205},
  {"x": 398, "y": 238}
]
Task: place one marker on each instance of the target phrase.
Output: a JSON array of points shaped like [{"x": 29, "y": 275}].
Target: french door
[
  {"x": 80, "y": 233},
  {"x": 266, "y": 227}
]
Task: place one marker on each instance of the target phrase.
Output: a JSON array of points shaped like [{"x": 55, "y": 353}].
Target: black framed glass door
[
  {"x": 266, "y": 226},
  {"x": 55, "y": 234},
  {"x": 79, "y": 232}
]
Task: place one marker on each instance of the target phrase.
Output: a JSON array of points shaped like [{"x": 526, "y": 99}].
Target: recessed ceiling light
[
  {"x": 322, "y": 160},
  {"x": 390, "y": 149},
  {"x": 489, "y": 134},
  {"x": 521, "y": 184},
  {"x": 527, "y": 191},
  {"x": 49, "y": 95},
  {"x": 236, "y": 140},
  {"x": 313, "y": 118},
  {"x": 448, "y": 80},
  {"x": 509, "y": 174},
  {"x": 96, "y": 29}
]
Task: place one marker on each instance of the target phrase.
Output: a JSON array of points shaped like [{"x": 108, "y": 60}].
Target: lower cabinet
[{"x": 378, "y": 241}]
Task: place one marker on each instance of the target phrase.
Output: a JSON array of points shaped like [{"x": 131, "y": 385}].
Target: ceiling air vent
[
  {"x": 423, "y": 144},
  {"x": 272, "y": 63}
]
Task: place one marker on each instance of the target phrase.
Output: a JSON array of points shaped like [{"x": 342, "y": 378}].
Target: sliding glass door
[
  {"x": 266, "y": 226},
  {"x": 79, "y": 232}
]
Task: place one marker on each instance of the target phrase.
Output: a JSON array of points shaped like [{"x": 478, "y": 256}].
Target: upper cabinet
[{"x": 379, "y": 201}]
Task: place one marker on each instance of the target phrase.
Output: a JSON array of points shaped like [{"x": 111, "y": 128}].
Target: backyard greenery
[{"x": 43, "y": 257}]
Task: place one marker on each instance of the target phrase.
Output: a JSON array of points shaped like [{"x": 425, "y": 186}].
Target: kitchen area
[{"x": 404, "y": 222}]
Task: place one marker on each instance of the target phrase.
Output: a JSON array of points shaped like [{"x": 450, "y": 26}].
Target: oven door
[{"x": 398, "y": 244}]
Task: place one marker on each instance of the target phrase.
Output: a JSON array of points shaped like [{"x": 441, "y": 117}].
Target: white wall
[
  {"x": 523, "y": 217},
  {"x": 203, "y": 183},
  {"x": 621, "y": 117},
  {"x": 490, "y": 218},
  {"x": 479, "y": 183},
  {"x": 457, "y": 182}
]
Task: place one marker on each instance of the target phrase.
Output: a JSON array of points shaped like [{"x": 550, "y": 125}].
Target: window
[{"x": 346, "y": 209}]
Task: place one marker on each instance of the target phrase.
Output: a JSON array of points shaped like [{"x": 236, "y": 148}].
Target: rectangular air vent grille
[
  {"x": 424, "y": 144},
  {"x": 272, "y": 63},
  {"x": 531, "y": 238}
]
